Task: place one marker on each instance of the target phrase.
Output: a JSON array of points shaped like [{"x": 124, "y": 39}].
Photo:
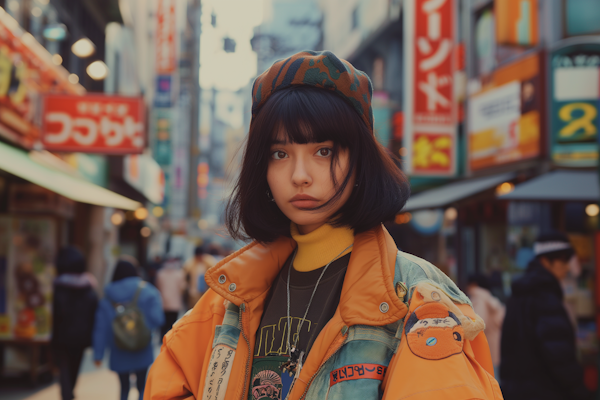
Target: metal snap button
[
  {"x": 222, "y": 279},
  {"x": 344, "y": 330},
  {"x": 384, "y": 307},
  {"x": 435, "y": 296},
  {"x": 232, "y": 287}
]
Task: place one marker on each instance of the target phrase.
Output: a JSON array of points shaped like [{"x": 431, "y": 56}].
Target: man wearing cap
[{"x": 538, "y": 340}]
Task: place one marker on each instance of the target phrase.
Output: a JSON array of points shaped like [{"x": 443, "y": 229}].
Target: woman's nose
[{"x": 300, "y": 175}]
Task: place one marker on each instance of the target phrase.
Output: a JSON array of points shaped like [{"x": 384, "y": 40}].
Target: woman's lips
[{"x": 304, "y": 201}]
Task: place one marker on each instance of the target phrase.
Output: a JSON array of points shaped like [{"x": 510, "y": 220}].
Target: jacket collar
[{"x": 248, "y": 273}]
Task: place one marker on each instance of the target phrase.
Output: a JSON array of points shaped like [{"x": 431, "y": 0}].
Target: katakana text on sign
[
  {"x": 433, "y": 62},
  {"x": 94, "y": 124}
]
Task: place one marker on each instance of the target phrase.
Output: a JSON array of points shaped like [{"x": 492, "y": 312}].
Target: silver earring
[
  {"x": 270, "y": 196},
  {"x": 356, "y": 185}
]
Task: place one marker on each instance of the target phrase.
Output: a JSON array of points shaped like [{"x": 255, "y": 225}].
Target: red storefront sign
[
  {"x": 94, "y": 124},
  {"x": 431, "y": 112}
]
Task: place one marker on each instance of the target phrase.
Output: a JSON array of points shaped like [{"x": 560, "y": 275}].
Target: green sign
[{"x": 574, "y": 117}]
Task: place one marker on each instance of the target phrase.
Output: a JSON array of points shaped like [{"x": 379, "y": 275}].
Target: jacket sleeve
[
  {"x": 178, "y": 370},
  {"x": 166, "y": 378},
  {"x": 557, "y": 347},
  {"x": 101, "y": 330},
  {"x": 154, "y": 310}
]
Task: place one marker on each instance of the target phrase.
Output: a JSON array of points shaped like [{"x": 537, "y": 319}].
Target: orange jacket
[{"x": 208, "y": 353}]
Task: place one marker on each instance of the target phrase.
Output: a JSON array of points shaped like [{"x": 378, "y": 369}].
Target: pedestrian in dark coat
[
  {"x": 73, "y": 309},
  {"x": 122, "y": 289},
  {"x": 538, "y": 340}
]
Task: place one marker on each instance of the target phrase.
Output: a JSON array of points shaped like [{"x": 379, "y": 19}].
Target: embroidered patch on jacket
[
  {"x": 434, "y": 333},
  {"x": 357, "y": 371},
  {"x": 219, "y": 370}
]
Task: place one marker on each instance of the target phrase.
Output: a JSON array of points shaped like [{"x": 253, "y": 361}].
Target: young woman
[{"x": 321, "y": 304}]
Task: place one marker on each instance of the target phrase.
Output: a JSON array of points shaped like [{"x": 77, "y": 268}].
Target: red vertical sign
[
  {"x": 166, "y": 56},
  {"x": 431, "y": 118}
]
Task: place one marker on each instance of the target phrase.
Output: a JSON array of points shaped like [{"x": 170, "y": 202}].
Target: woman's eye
[
  {"x": 278, "y": 155},
  {"x": 324, "y": 152}
]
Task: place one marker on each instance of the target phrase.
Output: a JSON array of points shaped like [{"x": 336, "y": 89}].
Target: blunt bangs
[{"x": 310, "y": 115}]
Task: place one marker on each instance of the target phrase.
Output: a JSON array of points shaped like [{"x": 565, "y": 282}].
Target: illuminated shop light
[
  {"x": 97, "y": 70},
  {"x": 592, "y": 210},
  {"x": 57, "y": 59},
  {"x": 145, "y": 232},
  {"x": 505, "y": 188},
  {"x": 158, "y": 211},
  {"x": 451, "y": 213},
  {"x": 73, "y": 79},
  {"x": 141, "y": 213},
  {"x": 117, "y": 218},
  {"x": 83, "y": 48}
]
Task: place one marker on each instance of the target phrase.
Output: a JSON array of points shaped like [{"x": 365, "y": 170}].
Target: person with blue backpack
[{"x": 129, "y": 311}]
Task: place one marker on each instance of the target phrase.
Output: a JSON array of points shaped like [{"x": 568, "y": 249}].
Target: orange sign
[
  {"x": 433, "y": 152},
  {"x": 26, "y": 72},
  {"x": 505, "y": 116},
  {"x": 516, "y": 22}
]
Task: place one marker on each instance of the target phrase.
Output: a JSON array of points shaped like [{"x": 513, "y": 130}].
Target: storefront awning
[
  {"x": 453, "y": 192},
  {"x": 558, "y": 186},
  {"x": 19, "y": 163}
]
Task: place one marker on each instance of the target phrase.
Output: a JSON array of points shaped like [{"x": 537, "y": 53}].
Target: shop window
[{"x": 581, "y": 17}]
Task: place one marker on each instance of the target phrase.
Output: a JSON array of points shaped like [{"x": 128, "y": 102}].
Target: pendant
[{"x": 294, "y": 362}]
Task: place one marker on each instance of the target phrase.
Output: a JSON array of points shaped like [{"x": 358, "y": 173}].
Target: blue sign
[{"x": 163, "y": 96}]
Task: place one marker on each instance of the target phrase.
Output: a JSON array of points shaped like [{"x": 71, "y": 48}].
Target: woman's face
[{"x": 299, "y": 177}]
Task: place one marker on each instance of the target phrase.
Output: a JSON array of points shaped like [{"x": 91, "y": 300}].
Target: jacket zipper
[
  {"x": 319, "y": 370},
  {"x": 242, "y": 309}
]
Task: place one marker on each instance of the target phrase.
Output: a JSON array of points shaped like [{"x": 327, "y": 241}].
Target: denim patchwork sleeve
[{"x": 414, "y": 270}]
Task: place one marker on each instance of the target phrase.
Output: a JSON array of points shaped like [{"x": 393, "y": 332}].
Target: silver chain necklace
[{"x": 296, "y": 358}]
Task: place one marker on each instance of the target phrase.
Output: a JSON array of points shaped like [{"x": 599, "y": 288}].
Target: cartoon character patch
[
  {"x": 266, "y": 385},
  {"x": 433, "y": 332}
]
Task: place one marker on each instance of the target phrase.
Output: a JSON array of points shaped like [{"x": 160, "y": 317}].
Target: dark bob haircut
[{"x": 311, "y": 115}]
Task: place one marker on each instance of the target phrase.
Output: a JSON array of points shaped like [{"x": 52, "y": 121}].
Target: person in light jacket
[
  {"x": 491, "y": 310},
  {"x": 125, "y": 281}
]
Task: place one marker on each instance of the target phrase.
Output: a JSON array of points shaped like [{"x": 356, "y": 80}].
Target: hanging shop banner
[
  {"x": 144, "y": 174},
  {"x": 516, "y": 22},
  {"x": 575, "y": 93},
  {"x": 505, "y": 115},
  {"x": 166, "y": 29},
  {"x": 430, "y": 106},
  {"x": 26, "y": 72},
  {"x": 94, "y": 124}
]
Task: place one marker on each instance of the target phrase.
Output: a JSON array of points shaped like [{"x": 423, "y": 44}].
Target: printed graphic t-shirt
[{"x": 271, "y": 350}]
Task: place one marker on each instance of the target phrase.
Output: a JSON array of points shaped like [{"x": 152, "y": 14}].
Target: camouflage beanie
[{"x": 321, "y": 69}]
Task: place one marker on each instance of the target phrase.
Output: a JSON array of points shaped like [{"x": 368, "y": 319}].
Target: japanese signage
[
  {"x": 26, "y": 72},
  {"x": 430, "y": 107},
  {"x": 145, "y": 175},
  {"x": 516, "y": 22},
  {"x": 504, "y": 117},
  {"x": 94, "y": 124},
  {"x": 166, "y": 50},
  {"x": 575, "y": 91}
]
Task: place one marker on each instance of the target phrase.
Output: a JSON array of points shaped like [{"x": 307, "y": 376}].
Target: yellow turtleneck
[{"x": 321, "y": 246}]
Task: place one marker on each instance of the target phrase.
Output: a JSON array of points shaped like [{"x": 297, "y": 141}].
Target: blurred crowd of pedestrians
[{"x": 136, "y": 300}]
